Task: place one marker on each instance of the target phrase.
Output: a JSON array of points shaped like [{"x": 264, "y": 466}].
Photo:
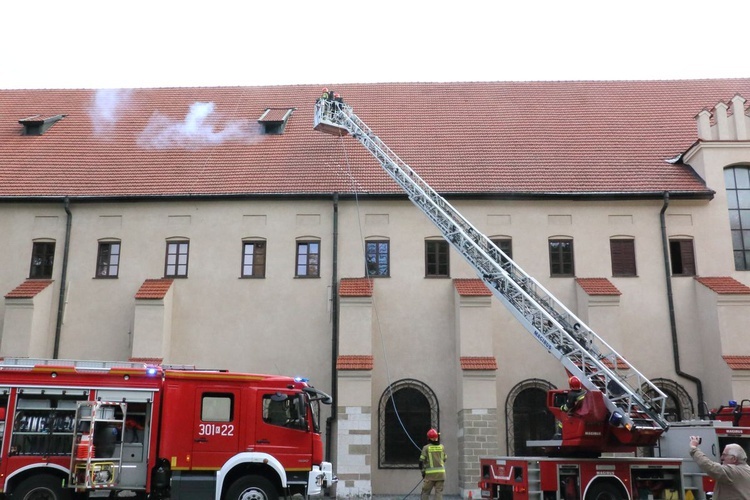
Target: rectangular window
[
  {"x": 308, "y": 259},
  {"x": 217, "y": 407},
  {"x": 506, "y": 245},
  {"x": 682, "y": 255},
  {"x": 177, "y": 259},
  {"x": 377, "y": 255},
  {"x": 108, "y": 260},
  {"x": 436, "y": 258},
  {"x": 561, "y": 258},
  {"x": 623, "y": 257},
  {"x": 42, "y": 258},
  {"x": 253, "y": 259}
]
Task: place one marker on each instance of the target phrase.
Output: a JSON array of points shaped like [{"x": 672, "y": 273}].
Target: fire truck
[
  {"x": 594, "y": 455},
  {"x": 95, "y": 428}
]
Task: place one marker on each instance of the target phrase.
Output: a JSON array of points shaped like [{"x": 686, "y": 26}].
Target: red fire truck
[
  {"x": 164, "y": 432},
  {"x": 594, "y": 457}
]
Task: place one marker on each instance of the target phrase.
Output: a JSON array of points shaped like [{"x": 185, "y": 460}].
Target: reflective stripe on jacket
[{"x": 433, "y": 457}]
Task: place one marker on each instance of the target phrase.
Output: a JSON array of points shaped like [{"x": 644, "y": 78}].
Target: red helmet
[
  {"x": 432, "y": 435},
  {"x": 325, "y": 89},
  {"x": 574, "y": 383}
]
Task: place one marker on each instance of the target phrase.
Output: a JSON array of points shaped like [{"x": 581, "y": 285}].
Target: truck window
[
  {"x": 217, "y": 407},
  {"x": 284, "y": 410}
]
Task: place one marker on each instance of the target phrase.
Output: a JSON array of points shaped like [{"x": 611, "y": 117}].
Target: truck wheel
[
  {"x": 252, "y": 488},
  {"x": 605, "y": 491},
  {"x": 43, "y": 487}
]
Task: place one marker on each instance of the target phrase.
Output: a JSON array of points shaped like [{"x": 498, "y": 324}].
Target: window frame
[
  {"x": 377, "y": 256},
  {"x": 684, "y": 248},
  {"x": 417, "y": 423},
  {"x": 439, "y": 251},
  {"x": 557, "y": 258},
  {"x": 622, "y": 257},
  {"x": 106, "y": 266},
  {"x": 737, "y": 186},
  {"x": 45, "y": 252},
  {"x": 175, "y": 273},
  {"x": 298, "y": 265},
  {"x": 258, "y": 264}
]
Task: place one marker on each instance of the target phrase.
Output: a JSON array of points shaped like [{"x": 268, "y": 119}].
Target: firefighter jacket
[{"x": 432, "y": 461}]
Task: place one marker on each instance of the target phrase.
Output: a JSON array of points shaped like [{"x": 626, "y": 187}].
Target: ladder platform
[{"x": 323, "y": 120}]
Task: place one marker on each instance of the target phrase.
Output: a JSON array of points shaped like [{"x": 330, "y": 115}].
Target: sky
[{"x": 113, "y": 44}]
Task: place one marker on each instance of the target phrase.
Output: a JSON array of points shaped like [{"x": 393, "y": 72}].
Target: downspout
[
  {"x": 63, "y": 278},
  {"x": 670, "y": 300},
  {"x": 334, "y": 330}
]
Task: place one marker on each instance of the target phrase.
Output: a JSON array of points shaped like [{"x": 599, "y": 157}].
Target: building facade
[{"x": 215, "y": 228}]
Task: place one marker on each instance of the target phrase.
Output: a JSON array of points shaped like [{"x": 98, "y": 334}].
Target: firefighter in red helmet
[
  {"x": 432, "y": 464},
  {"x": 576, "y": 395}
]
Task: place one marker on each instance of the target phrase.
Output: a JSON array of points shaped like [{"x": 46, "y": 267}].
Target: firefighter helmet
[
  {"x": 432, "y": 435},
  {"x": 574, "y": 383}
]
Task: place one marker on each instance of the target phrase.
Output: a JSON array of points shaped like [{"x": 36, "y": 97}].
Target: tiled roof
[
  {"x": 505, "y": 138},
  {"x": 478, "y": 363},
  {"x": 355, "y": 287},
  {"x": 598, "y": 286},
  {"x": 28, "y": 289},
  {"x": 154, "y": 288},
  {"x": 724, "y": 285},
  {"x": 621, "y": 364},
  {"x": 354, "y": 362},
  {"x": 471, "y": 287},
  {"x": 738, "y": 362}
]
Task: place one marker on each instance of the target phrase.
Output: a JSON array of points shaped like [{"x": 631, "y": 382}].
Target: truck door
[
  {"x": 284, "y": 429},
  {"x": 216, "y": 426}
]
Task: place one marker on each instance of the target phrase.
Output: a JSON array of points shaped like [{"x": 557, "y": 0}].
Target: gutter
[
  {"x": 63, "y": 278},
  {"x": 672, "y": 320},
  {"x": 334, "y": 331}
]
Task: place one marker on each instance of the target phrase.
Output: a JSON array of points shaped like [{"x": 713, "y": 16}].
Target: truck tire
[
  {"x": 41, "y": 487},
  {"x": 252, "y": 488},
  {"x": 605, "y": 491}
]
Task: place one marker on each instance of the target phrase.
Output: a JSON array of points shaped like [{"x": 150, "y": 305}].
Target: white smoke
[
  {"x": 200, "y": 128},
  {"x": 106, "y": 108}
]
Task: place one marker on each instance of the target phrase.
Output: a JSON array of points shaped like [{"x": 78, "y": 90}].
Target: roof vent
[
  {"x": 273, "y": 120},
  {"x": 37, "y": 124}
]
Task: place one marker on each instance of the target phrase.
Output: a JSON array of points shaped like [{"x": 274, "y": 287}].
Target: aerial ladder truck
[
  {"x": 624, "y": 409},
  {"x": 633, "y": 406}
]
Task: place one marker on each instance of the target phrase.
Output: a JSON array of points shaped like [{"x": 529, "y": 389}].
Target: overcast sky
[{"x": 158, "y": 43}]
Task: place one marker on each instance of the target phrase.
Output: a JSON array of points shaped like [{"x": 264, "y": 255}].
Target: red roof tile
[
  {"x": 354, "y": 362},
  {"x": 507, "y": 138},
  {"x": 598, "y": 286},
  {"x": 154, "y": 288},
  {"x": 471, "y": 287},
  {"x": 478, "y": 363},
  {"x": 738, "y": 362},
  {"x": 724, "y": 285},
  {"x": 28, "y": 289},
  {"x": 356, "y": 287}
]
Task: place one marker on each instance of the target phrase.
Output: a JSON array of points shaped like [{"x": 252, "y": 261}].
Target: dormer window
[
  {"x": 38, "y": 124},
  {"x": 273, "y": 120}
]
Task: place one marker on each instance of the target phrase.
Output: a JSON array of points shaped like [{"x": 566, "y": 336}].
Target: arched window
[
  {"x": 737, "y": 181},
  {"x": 527, "y": 417},
  {"x": 407, "y": 410},
  {"x": 679, "y": 405}
]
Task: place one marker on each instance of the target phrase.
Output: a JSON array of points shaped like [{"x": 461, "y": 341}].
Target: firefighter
[
  {"x": 575, "y": 397},
  {"x": 432, "y": 464}
]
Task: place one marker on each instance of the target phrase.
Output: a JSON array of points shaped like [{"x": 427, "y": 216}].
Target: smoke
[
  {"x": 201, "y": 127},
  {"x": 106, "y": 108}
]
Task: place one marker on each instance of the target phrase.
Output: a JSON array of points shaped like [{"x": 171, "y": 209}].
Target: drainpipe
[
  {"x": 63, "y": 277},
  {"x": 334, "y": 330},
  {"x": 670, "y": 300}
]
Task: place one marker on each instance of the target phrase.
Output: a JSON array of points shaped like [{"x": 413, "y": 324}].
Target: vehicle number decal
[{"x": 216, "y": 429}]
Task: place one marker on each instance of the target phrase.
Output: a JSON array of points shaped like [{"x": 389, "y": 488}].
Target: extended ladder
[{"x": 580, "y": 350}]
